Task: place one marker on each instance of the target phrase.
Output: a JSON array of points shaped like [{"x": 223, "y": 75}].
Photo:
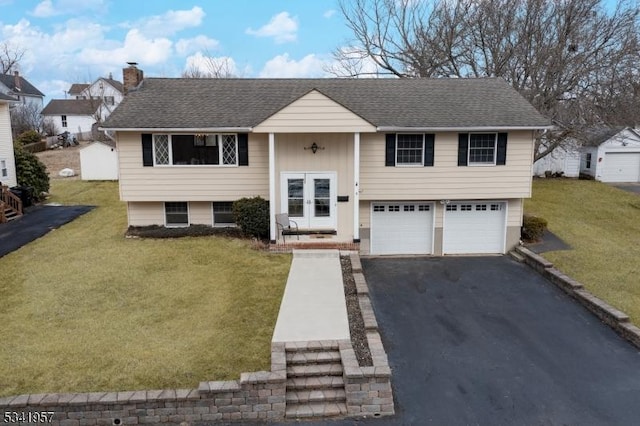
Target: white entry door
[{"x": 310, "y": 199}]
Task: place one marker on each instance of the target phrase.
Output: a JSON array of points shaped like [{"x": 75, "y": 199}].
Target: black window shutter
[
  {"x": 147, "y": 150},
  {"x": 243, "y": 149},
  {"x": 390, "y": 151},
  {"x": 428, "y": 149},
  {"x": 463, "y": 148},
  {"x": 501, "y": 156}
]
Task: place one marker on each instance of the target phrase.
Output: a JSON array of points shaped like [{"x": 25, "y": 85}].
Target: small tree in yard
[
  {"x": 30, "y": 136},
  {"x": 30, "y": 171},
  {"x": 252, "y": 216}
]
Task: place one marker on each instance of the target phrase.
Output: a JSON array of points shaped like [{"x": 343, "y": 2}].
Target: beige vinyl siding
[
  {"x": 200, "y": 213},
  {"x": 446, "y": 180},
  {"x": 514, "y": 212},
  {"x": 314, "y": 112},
  {"x": 6, "y": 146},
  {"x": 337, "y": 156},
  {"x": 144, "y": 214},
  {"x": 191, "y": 183}
]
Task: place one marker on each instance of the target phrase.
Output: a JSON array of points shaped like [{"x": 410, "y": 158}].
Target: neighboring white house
[
  {"x": 7, "y": 159},
  {"x": 564, "y": 159},
  {"x": 72, "y": 115},
  {"x": 90, "y": 103},
  {"x": 612, "y": 155},
  {"x": 99, "y": 161},
  {"x": 19, "y": 88}
]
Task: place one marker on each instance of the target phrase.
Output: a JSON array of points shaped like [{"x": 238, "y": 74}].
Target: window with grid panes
[
  {"x": 482, "y": 148},
  {"x": 409, "y": 149}
]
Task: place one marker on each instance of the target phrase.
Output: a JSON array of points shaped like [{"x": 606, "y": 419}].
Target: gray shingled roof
[
  {"x": 77, "y": 88},
  {"x": 116, "y": 84},
  {"x": 206, "y": 103},
  {"x": 26, "y": 88},
  {"x": 71, "y": 107},
  {"x": 4, "y": 97}
]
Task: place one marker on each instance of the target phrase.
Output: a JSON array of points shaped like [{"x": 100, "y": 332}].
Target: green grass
[
  {"x": 602, "y": 224},
  {"x": 84, "y": 309}
]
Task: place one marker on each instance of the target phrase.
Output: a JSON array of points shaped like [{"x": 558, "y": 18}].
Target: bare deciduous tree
[
  {"x": 25, "y": 117},
  {"x": 10, "y": 57},
  {"x": 574, "y": 60},
  {"x": 213, "y": 67}
]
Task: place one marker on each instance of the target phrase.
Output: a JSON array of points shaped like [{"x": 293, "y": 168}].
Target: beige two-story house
[{"x": 411, "y": 166}]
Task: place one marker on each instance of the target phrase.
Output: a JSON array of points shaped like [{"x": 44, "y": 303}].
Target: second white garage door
[
  {"x": 402, "y": 228},
  {"x": 474, "y": 227},
  {"x": 621, "y": 167}
]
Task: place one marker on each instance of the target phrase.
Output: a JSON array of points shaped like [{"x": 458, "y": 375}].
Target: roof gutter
[
  {"x": 180, "y": 129},
  {"x": 459, "y": 129}
]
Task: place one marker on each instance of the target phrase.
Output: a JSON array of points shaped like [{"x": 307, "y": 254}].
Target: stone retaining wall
[
  {"x": 611, "y": 316},
  {"x": 259, "y": 395},
  {"x": 368, "y": 389}
]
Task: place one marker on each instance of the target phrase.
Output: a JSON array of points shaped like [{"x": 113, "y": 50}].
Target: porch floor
[{"x": 313, "y": 307}]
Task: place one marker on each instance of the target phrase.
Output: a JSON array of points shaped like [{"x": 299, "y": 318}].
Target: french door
[{"x": 309, "y": 199}]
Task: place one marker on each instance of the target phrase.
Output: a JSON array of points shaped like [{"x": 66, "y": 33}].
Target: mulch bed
[
  {"x": 156, "y": 231},
  {"x": 356, "y": 323}
]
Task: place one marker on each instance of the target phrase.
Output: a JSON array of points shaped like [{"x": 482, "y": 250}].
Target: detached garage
[
  {"x": 402, "y": 228},
  {"x": 612, "y": 155},
  {"x": 472, "y": 227}
]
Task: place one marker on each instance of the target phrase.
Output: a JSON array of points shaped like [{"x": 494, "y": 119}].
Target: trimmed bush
[
  {"x": 36, "y": 147},
  {"x": 31, "y": 172},
  {"x": 28, "y": 137},
  {"x": 252, "y": 216},
  {"x": 533, "y": 227}
]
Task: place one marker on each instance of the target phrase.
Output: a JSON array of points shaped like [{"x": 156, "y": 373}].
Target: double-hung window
[
  {"x": 409, "y": 149},
  {"x": 198, "y": 149},
  {"x": 176, "y": 213},
  {"x": 482, "y": 148},
  {"x": 223, "y": 214},
  {"x": 3, "y": 168},
  {"x": 63, "y": 119}
]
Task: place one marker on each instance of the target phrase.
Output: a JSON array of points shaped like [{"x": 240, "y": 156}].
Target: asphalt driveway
[
  {"x": 38, "y": 221},
  {"x": 629, "y": 187},
  {"x": 487, "y": 341}
]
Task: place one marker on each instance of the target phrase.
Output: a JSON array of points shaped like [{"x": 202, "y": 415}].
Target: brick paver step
[
  {"x": 306, "y": 357},
  {"x": 316, "y": 409},
  {"x": 306, "y": 370},
  {"x": 307, "y": 396},
  {"x": 314, "y": 383}
]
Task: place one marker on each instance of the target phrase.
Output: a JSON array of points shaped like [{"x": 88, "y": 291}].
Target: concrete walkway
[{"x": 313, "y": 306}]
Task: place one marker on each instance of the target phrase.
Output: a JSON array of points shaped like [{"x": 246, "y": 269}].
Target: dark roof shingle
[
  {"x": 427, "y": 103},
  {"x": 71, "y": 107},
  {"x": 77, "y": 88},
  {"x": 26, "y": 88}
]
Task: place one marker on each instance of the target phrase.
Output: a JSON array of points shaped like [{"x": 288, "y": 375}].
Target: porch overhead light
[{"x": 314, "y": 147}]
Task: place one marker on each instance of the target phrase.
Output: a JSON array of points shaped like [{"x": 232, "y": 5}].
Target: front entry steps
[{"x": 315, "y": 386}]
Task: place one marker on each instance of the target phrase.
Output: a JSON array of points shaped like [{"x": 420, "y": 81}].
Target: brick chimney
[
  {"x": 17, "y": 81},
  {"x": 131, "y": 77}
]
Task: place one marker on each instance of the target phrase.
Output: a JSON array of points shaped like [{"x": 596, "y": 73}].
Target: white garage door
[
  {"x": 402, "y": 228},
  {"x": 474, "y": 227},
  {"x": 621, "y": 167}
]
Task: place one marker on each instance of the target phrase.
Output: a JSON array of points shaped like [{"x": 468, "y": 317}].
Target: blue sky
[{"x": 70, "y": 41}]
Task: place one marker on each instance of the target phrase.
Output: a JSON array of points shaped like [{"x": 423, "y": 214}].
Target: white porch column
[
  {"x": 356, "y": 187},
  {"x": 272, "y": 188}
]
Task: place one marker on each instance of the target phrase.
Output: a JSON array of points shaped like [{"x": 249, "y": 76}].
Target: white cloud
[
  {"x": 282, "y": 66},
  {"x": 282, "y": 27},
  {"x": 168, "y": 23},
  {"x": 329, "y": 13},
  {"x": 136, "y": 47},
  {"x": 45, "y": 9},
  {"x": 186, "y": 46}
]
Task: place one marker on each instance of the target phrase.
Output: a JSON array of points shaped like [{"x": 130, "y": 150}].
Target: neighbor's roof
[
  {"x": 71, "y": 107},
  {"x": 245, "y": 103},
  {"x": 77, "y": 88},
  {"x": 598, "y": 135},
  {"x": 26, "y": 88},
  {"x": 116, "y": 84},
  {"x": 7, "y": 98}
]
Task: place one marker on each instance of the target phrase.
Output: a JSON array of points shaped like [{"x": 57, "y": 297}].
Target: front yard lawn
[
  {"x": 602, "y": 224},
  {"x": 84, "y": 309}
]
